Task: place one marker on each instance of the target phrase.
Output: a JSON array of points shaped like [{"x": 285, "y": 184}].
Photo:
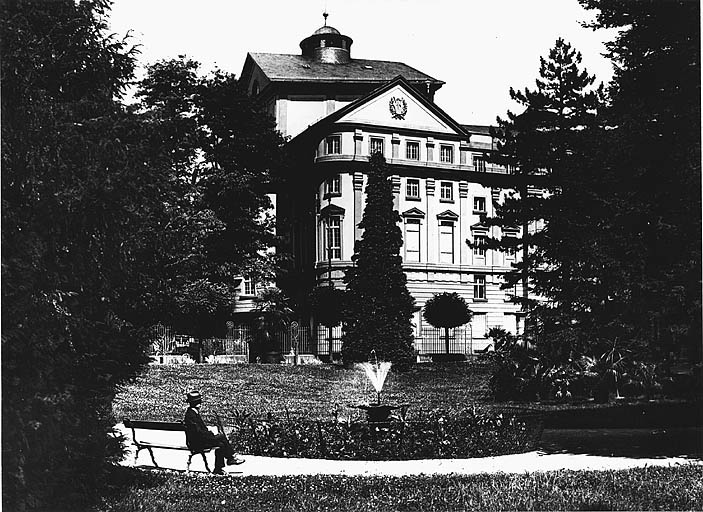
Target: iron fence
[
  {"x": 304, "y": 340},
  {"x": 433, "y": 341}
]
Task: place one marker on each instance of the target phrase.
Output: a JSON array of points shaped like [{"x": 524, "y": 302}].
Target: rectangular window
[
  {"x": 412, "y": 150},
  {"x": 479, "y": 246},
  {"x": 333, "y": 186},
  {"x": 333, "y": 145},
  {"x": 375, "y": 145},
  {"x": 446, "y": 154},
  {"x": 478, "y": 325},
  {"x": 446, "y": 242},
  {"x": 479, "y": 164},
  {"x": 446, "y": 191},
  {"x": 412, "y": 188},
  {"x": 249, "y": 286},
  {"x": 334, "y": 238},
  {"x": 511, "y": 251},
  {"x": 412, "y": 240},
  {"x": 479, "y": 287},
  {"x": 479, "y": 205}
]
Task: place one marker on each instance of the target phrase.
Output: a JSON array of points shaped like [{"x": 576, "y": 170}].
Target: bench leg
[
  {"x": 207, "y": 468},
  {"x": 190, "y": 458},
  {"x": 136, "y": 455},
  {"x": 152, "y": 457}
]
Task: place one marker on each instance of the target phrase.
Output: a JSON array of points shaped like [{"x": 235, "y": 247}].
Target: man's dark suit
[{"x": 199, "y": 437}]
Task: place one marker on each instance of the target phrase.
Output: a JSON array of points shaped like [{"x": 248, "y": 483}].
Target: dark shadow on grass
[{"x": 626, "y": 442}]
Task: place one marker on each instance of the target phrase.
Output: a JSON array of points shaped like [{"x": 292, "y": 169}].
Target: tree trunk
[{"x": 446, "y": 339}]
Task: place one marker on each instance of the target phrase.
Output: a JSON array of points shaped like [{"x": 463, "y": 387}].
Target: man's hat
[{"x": 194, "y": 398}]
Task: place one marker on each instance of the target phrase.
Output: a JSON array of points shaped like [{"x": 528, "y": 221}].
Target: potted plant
[{"x": 447, "y": 310}]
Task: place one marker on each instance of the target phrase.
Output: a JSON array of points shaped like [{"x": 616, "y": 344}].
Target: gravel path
[{"x": 518, "y": 463}]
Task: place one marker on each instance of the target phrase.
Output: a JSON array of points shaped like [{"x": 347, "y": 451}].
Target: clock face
[{"x": 398, "y": 107}]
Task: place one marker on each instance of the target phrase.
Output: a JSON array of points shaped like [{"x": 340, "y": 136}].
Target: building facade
[{"x": 338, "y": 111}]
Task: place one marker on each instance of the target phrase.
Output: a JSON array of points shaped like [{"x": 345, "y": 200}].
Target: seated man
[{"x": 199, "y": 437}]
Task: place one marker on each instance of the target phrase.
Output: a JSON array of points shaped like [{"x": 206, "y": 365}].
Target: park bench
[{"x": 164, "y": 426}]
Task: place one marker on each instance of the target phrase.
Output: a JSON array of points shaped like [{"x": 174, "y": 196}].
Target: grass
[
  {"x": 651, "y": 488},
  {"x": 314, "y": 392}
]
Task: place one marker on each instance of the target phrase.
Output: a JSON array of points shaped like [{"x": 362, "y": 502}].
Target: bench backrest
[{"x": 155, "y": 425}]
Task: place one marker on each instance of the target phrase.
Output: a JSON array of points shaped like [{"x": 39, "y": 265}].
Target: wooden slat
[{"x": 155, "y": 425}]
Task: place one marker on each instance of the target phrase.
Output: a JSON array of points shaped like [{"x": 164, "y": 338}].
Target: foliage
[
  {"x": 328, "y": 305},
  {"x": 80, "y": 210},
  {"x": 379, "y": 306},
  {"x": 550, "y": 145},
  {"x": 429, "y": 435},
  {"x": 647, "y": 488},
  {"x": 272, "y": 313},
  {"x": 650, "y": 169},
  {"x": 446, "y": 310},
  {"x": 223, "y": 149}
]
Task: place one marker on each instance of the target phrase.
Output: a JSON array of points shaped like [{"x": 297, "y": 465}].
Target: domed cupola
[{"x": 326, "y": 44}]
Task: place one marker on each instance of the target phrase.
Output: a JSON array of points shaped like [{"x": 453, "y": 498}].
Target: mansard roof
[{"x": 297, "y": 68}]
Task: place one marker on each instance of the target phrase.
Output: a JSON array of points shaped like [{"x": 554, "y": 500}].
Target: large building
[{"x": 338, "y": 110}]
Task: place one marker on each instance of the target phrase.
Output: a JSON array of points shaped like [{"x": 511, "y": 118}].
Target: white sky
[{"x": 480, "y": 48}]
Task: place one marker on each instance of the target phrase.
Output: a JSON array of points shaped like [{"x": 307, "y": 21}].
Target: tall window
[
  {"x": 510, "y": 251},
  {"x": 480, "y": 246},
  {"x": 412, "y": 188},
  {"x": 333, "y": 242},
  {"x": 333, "y": 186},
  {"x": 412, "y": 240},
  {"x": 446, "y": 154},
  {"x": 479, "y": 287},
  {"x": 478, "y": 325},
  {"x": 375, "y": 145},
  {"x": 446, "y": 242},
  {"x": 479, "y": 205},
  {"x": 412, "y": 150},
  {"x": 249, "y": 286},
  {"x": 479, "y": 164},
  {"x": 333, "y": 145},
  {"x": 446, "y": 191}
]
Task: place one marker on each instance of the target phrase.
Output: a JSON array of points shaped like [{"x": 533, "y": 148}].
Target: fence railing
[
  {"x": 433, "y": 341},
  {"x": 304, "y": 341}
]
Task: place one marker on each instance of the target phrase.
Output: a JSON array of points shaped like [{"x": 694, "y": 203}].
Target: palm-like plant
[{"x": 447, "y": 310}]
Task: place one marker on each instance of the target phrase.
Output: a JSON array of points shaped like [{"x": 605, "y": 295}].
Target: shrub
[{"x": 436, "y": 434}]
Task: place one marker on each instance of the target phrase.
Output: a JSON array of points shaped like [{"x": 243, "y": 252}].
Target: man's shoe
[
  {"x": 218, "y": 471},
  {"x": 233, "y": 461}
]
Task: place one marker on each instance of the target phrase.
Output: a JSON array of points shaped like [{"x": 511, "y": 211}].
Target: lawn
[
  {"x": 650, "y": 488},
  {"x": 313, "y": 391}
]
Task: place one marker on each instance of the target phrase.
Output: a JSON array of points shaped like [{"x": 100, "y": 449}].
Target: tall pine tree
[
  {"x": 548, "y": 147},
  {"x": 379, "y": 307}
]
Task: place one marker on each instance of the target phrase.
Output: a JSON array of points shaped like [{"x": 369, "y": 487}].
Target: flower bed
[{"x": 433, "y": 435}]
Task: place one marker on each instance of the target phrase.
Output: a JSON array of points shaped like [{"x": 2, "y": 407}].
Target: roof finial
[{"x": 324, "y": 15}]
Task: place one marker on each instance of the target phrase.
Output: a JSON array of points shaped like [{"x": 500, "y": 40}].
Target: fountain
[{"x": 376, "y": 373}]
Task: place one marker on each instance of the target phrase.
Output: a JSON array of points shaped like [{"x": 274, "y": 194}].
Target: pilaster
[
  {"x": 358, "y": 184},
  {"x": 431, "y": 247}
]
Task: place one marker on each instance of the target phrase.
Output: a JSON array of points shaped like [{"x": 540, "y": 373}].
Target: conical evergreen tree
[
  {"x": 549, "y": 147},
  {"x": 379, "y": 306}
]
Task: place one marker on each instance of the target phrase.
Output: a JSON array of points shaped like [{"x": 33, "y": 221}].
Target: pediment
[
  {"x": 400, "y": 108},
  {"x": 447, "y": 215},
  {"x": 414, "y": 213},
  {"x": 331, "y": 210}
]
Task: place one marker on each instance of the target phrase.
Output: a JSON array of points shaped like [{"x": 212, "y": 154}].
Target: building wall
[{"x": 429, "y": 275}]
